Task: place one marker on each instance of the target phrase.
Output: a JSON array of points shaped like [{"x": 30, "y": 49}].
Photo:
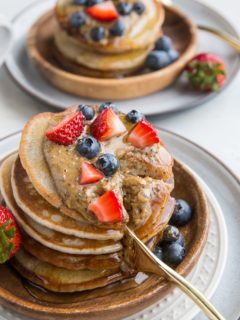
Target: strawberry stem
[
  {"x": 205, "y": 76},
  {"x": 6, "y": 246}
]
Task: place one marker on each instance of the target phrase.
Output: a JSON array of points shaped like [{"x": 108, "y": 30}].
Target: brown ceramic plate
[
  {"x": 40, "y": 45},
  {"x": 121, "y": 299}
]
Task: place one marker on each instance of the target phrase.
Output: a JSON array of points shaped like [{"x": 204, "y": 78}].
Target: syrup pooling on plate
[{"x": 109, "y": 168}]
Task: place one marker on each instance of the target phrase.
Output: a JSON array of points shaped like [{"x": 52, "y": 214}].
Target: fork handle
[
  {"x": 192, "y": 293},
  {"x": 162, "y": 268},
  {"x": 233, "y": 42}
]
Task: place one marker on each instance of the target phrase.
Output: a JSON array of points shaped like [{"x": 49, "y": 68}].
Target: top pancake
[
  {"x": 140, "y": 31},
  {"x": 38, "y": 157},
  {"x": 33, "y": 161}
]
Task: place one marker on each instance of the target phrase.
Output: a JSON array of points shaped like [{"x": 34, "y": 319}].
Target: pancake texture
[
  {"x": 60, "y": 279},
  {"x": 70, "y": 261},
  {"x": 30, "y": 151}
]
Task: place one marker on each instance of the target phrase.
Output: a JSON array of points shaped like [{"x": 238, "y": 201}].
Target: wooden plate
[
  {"x": 176, "y": 25},
  {"x": 122, "y": 299}
]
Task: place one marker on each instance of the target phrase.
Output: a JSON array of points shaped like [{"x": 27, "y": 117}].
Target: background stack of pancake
[
  {"x": 90, "y": 41},
  {"x": 64, "y": 250}
]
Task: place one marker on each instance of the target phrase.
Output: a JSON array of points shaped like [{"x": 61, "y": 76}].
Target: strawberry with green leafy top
[
  {"x": 206, "y": 72},
  {"x": 10, "y": 237}
]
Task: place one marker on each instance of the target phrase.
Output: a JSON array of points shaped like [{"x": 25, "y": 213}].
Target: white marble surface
[{"x": 215, "y": 126}]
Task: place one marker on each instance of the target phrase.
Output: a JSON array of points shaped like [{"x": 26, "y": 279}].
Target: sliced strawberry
[
  {"x": 104, "y": 11},
  {"x": 107, "y": 125},
  {"x": 10, "y": 236},
  {"x": 89, "y": 174},
  {"x": 68, "y": 130},
  {"x": 107, "y": 208},
  {"x": 206, "y": 72},
  {"x": 143, "y": 135}
]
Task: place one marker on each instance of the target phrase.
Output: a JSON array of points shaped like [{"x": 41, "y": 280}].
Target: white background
[{"x": 215, "y": 126}]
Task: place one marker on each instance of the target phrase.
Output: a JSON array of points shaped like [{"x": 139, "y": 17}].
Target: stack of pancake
[
  {"x": 64, "y": 250},
  {"x": 112, "y": 56}
]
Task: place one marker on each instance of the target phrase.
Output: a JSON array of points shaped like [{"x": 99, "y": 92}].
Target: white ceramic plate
[
  {"x": 175, "y": 98},
  {"x": 208, "y": 273}
]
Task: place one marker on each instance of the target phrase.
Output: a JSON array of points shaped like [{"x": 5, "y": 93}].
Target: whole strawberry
[
  {"x": 10, "y": 237},
  {"x": 206, "y": 72}
]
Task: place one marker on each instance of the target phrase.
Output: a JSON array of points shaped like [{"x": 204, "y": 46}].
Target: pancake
[
  {"x": 81, "y": 69},
  {"x": 45, "y": 214},
  {"x": 52, "y": 239},
  {"x": 32, "y": 158},
  {"x": 126, "y": 62},
  {"x": 140, "y": 31},
  {"x": 161, "y": 214},
  {"x": 59, "y": 279},
  {"x": 33, "y": 161},
  {"x": 154, "y": 161},
  {"x": 68, "y": 261},
  {"x": 140, "y": 197}
]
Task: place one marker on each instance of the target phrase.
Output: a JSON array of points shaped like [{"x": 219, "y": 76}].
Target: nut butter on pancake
[{"x": 33, "y": 161}]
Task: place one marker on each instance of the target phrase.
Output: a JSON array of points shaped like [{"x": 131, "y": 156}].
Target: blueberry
[
  {"x": 181, "y": 240},
  {"x": 173, "y": 253},
  {"x": 164, "y": 43},
  {"x": 77, "y": 19},
  {"x": 182, "y": 213},
  {"x": 118, "y": 28},
  {"x": 90, "y": 3},
  {"x": 87, "y": 111},
  {"x": 157, "y": 60},
  {"x": 80, "y": 2},
  {"x": 108, "y": 164},
  {"x": 173, "y": 54},
  {"x": 98, "y": 33},
  {"x": 88, "y": 147},
  {"x": 134, "y": 116},
  {"x": 106, "y": 105},
  {"x": 124, "y": 8},
  {"x": 139, "y": 7},
  {"x": 158, "y": 252},
  {"x": 171, "y": 234}
]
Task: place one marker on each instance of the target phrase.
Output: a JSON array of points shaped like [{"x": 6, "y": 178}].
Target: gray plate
[
  {"x": 226, "y": 189},
  {"x": 175, "y": 98}
]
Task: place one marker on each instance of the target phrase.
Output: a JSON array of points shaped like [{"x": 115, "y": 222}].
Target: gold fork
[
  {"x": 146, "y": 261},
  {"x": 233, "y": 42}
]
